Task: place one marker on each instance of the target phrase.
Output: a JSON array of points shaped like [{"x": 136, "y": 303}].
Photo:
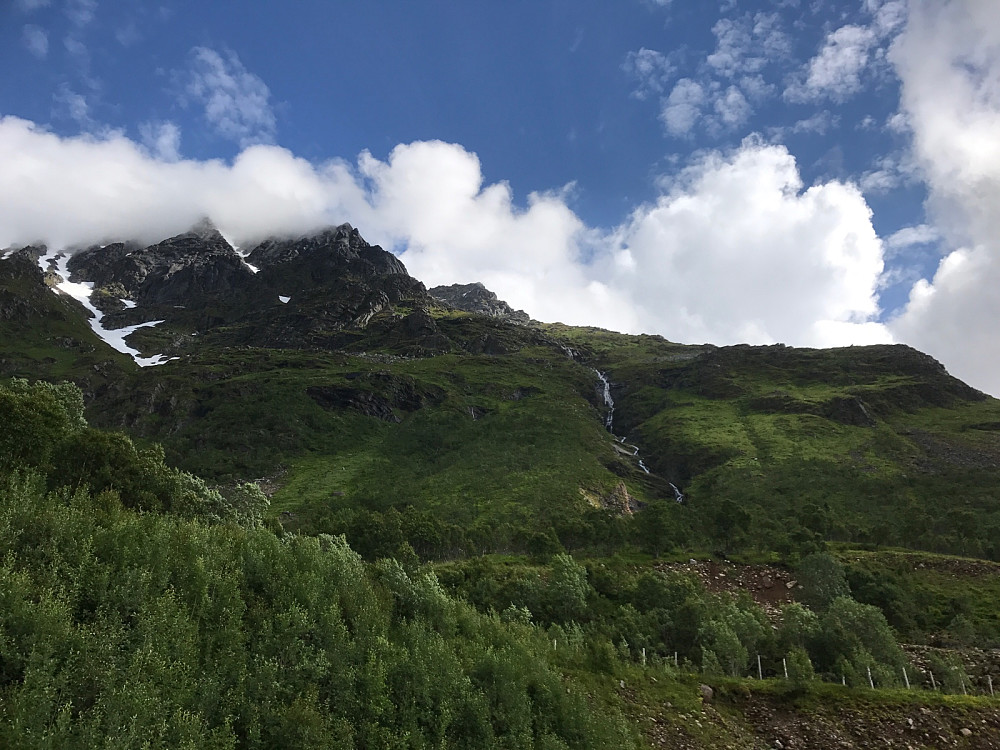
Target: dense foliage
[{"x": 197, "y": 628}]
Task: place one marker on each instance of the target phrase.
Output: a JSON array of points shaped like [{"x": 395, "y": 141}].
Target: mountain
[
  {"x": 441, "y": 428},
  {"x": 319, "y": 359},
  {"x": 476, "y": 298}
]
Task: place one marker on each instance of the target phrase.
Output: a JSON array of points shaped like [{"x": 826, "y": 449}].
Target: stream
[{"x": 609, "y": 424}]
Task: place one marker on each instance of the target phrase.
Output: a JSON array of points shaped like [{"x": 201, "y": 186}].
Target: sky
[{"x": 804, "y": 172}]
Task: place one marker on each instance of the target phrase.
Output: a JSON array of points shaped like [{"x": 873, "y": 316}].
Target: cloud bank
[
  {"x": 948, "y": 59},
  {"x": 735, "y": 250}
]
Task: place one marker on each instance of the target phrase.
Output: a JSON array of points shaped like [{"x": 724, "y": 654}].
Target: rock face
[
  {"x": 328, "y": 290},
  {"x": 287, "y": 292},
  {"x": 476, "y": 298},
  {"x": 191, "y": 269},
  {"x": 319, "y": 258}
]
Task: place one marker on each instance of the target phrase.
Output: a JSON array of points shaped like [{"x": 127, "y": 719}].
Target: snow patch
[
  {"x": 81, "y": 291},
  {"x": 283, "y": 299},
  {"x": 129, "y": 304}
]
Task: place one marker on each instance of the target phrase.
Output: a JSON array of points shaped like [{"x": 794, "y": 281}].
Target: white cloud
[
  {"x": 819, "y": 123},
  {"x": 888, "y": 15},
  {"x": 887, "y": 174},
  {"x": 236, "y": 101},
  {"x": 651, "y": 69},
  {"x": 75, "y": 46},
  {"x": 722, "y": 92},
  {"x": 66, "y": 191},
  {"x": 163, "y": 139},
  {"x": 836, "y": 71},
  {"x": 948, "y": 59},
  {"x": 681, "y": 110},
  {"x": 29, "y": 5},
  {"x": 899, "y": 123},
  {"x": 69, "y": 103},
  {"x": 734, "y": 250},
  {"x": 81, "y": 12},
  {"x": 921, "y": 234},
  {"x": 732, "y": 108},
  {"x": 746, "y": 45},
  {"x": 36, "y": 39},
  {"x": 737, "y": 251}
]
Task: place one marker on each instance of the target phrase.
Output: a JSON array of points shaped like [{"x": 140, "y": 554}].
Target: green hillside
[{"x": 275, "y": 537}]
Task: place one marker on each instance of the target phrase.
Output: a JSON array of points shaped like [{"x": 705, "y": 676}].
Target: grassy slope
[
  {"x": 498, "y": 436},
  {"x": 47, "y": 335},
  {"x": 781, "y": 433},
  {"x": 924, "y": 474}
]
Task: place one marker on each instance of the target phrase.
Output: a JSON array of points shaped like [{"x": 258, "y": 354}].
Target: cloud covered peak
[{"x": 735, "y": 250}]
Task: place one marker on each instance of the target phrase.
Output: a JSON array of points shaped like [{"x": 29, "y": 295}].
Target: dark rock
[
  {"x": 378, "y": 395},
  {"x": 848, "y": 410},
  {"x": 195, "y": 269},
  {"x": 476, "y": 298},
  {"x": 523, "y": 392},
  {"x": 368, "y": 403},
  {"x": 317, "y": 258}
]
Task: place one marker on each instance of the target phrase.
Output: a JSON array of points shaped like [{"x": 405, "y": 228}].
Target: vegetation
[
  {"x": 367, "y": 540},
  {"x": 124, "y": 629}
]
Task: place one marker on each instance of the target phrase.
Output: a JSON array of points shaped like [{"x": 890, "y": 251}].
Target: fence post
[
  {"x": 784, "y": 665},
  {"x": 933, "y": 683},
  {"x": 675, "y": 660},
  {"x": 989, "y": 678},
  {"x": 871, "y": 682},
  {"x": 760, "y": 672},
  {"x": 906, "y": 679},
  {"x": 644, "y": 656}
]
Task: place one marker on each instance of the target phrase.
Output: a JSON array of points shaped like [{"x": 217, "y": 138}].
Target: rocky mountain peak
[
  {"x": 183, "y": 270},
  {"x": 476, "y": 298},
  {"x": 205, "y": 229},
  {"x": 331, "y": 250}
]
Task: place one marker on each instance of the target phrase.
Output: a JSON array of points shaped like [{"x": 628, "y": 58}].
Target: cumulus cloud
[
  {"x": 888, "y": 16},
  {"x": 836, "y": 71},
  {"x": 948, "y": 60},
  {"x": 922, "y": 234},
  {"x": 732, "y": 108},
  {"x": 163, "y": 139},
  {"x": 681, "y": 110},
  {"x": 887, "y": 173},
  {"x": 236, "y": 102},
  {"x": 651, "y": 69},
  {"x": 720, "y": 95},
  {"x": 736, "y": 248},
  {"x": 748, "y": 44},
  {"x": 69, "y": 191},
  {"x": 36, "y": 39},
  {"x": 738, "y": 251}
]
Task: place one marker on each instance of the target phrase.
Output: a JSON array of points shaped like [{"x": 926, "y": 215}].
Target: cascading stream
[
  {"x": 609, "y": 402},
  {"x": 609, "y": 424}
]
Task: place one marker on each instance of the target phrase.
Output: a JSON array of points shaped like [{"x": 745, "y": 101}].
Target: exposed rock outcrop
[{"x": 476, "y": 298}]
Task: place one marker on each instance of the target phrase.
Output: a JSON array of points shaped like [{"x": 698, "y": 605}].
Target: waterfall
[
  {"x": 608, "y": 401},
  {"x": 609, "y": 425}
]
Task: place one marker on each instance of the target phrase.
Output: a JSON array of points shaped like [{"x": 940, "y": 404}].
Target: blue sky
[{"x": 768, "y": 170}]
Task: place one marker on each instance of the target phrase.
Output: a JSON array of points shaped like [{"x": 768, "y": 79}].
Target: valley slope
[{"x": 444, "y": 428}]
